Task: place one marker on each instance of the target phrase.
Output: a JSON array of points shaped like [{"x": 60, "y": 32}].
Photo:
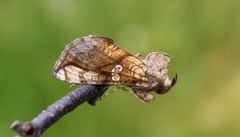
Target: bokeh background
[{"x": 203, "y": 38}]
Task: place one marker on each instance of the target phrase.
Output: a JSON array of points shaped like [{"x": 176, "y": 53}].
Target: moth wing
[{"x": 97, "y": 60}]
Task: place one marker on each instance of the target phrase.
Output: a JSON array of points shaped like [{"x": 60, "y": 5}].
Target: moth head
[
  {"x": 157, "y": 63},
  {"x": 166, "y": 86}
]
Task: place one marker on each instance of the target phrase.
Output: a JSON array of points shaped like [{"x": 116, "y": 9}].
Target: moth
[{"x": 98, "y": 60}]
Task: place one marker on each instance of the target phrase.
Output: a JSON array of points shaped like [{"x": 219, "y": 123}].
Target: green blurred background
[{"x": 203, "y": 38}]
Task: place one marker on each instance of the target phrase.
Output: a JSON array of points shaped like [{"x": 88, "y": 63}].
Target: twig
[{"x": 68, "y": 103}]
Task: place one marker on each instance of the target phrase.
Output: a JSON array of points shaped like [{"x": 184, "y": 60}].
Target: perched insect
[{"x": 97, "y": 60}]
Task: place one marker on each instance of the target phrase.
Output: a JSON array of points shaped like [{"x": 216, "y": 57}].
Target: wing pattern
[{"x": 97, "y": 60}]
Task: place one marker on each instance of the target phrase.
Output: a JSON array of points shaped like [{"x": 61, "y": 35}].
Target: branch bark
[{"x": 53, "y": 113}]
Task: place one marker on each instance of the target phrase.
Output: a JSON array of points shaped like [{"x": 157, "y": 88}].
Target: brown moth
[{"x": 98, "y": 60}]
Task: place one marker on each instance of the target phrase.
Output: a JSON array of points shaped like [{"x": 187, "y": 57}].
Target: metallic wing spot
[
  {"x": 115, "y": 72},
  {"x": 117, "y": 69},
  {"x": 115, "y": 77}
]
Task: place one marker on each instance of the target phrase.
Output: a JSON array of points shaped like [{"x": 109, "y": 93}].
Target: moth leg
[
  {"x": 143, "y": 95},
  {"x": 109, "y": 92},
  {"x": 118, "y": 87},
  {"x": 72, "y": 85},
  {"x": 139, "y": 55},
  {"x": 123, "y": 87}
]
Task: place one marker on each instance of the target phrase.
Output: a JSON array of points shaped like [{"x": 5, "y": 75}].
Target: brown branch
[{"x": 68, "y": 103}]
